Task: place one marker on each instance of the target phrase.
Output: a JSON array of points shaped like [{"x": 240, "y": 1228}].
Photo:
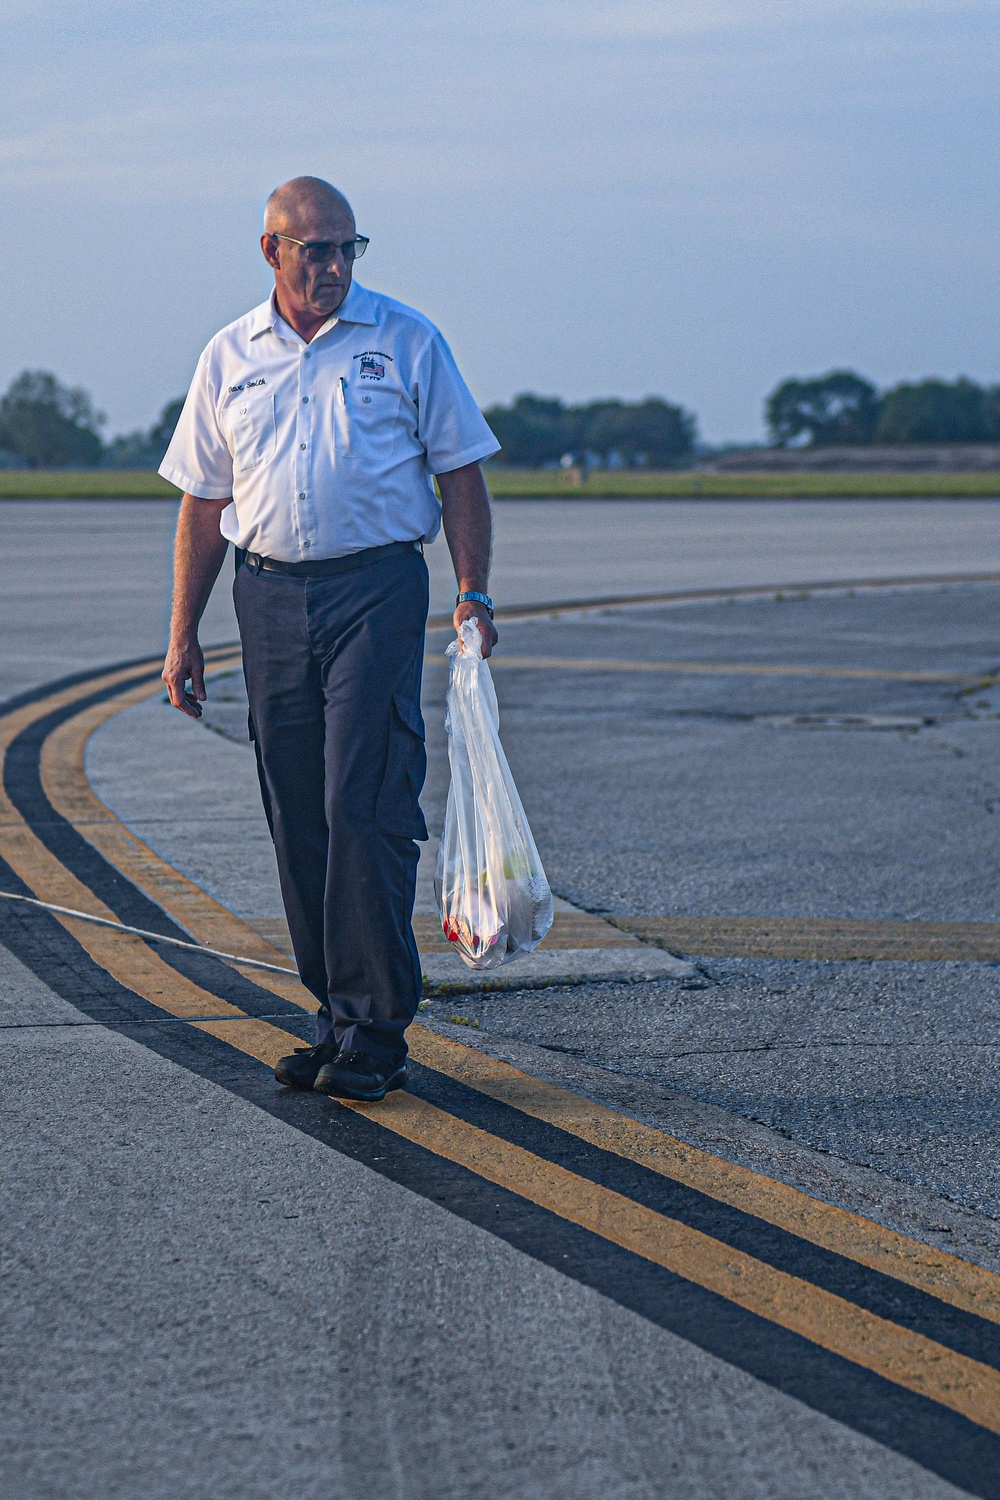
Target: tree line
[
  {"x": 535, "y": 430},
  {"x": 45, "y": 424},
  {"x": 844, "y": 407}
]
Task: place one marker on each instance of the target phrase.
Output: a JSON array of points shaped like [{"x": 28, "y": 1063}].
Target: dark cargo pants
[{"x": 333, "y": 668}]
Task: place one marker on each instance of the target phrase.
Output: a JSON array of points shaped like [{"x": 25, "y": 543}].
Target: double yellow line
[{"x": 898, "y": 1354}]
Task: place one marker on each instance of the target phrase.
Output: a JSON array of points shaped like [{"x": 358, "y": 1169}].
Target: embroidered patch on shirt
[{"x": 372, "y": 366}]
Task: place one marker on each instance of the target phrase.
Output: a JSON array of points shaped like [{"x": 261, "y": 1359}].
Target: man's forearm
[
  {"x": 468, "y": 525},
  {"x": 468, "y": 528},
  {"x": 199, "y": 551}
]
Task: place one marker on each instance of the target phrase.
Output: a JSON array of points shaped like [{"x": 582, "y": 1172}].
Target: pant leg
[
  {"x": 333, "y": 670},
  {"x": 285, "y": 692},
  {"x": 367, "y": 631}
]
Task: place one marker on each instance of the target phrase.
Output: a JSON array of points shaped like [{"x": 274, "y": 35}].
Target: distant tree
[
  {"x": 935, "y": 411},
  {"x": 653, "y": 431},
  {"x": 130, "y": 450},
  {"x": 537, "y": 430},
  {"x": 532, "y": 430},
  {"x": 991, "y": 414},
  {"x": 162, "y": 429},
  {"x": 841, "y": 407},
  {"x": 46, "y": 424},
  {"x": 145, "y": 450}
]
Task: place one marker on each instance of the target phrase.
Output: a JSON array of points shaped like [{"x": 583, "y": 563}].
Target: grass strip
[
  {"x": 84, "y": 484},
  {"x": 672, "y": 484},
  {"x": 549, "y": 484}
]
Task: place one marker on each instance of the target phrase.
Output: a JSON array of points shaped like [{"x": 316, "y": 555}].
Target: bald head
[
  {"x": 302, "y": 200},
  {"x": 309, "y": 242}
]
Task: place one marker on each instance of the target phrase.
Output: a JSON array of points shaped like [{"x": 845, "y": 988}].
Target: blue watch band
[{"x": 476, "y": 597}]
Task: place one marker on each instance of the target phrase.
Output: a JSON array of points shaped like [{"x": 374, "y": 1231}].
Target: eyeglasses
[{"x": 320, "y": 252}]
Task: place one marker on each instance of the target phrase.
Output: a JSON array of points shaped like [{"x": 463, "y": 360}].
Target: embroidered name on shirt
[
  {"x": 372, "y": 366},
  {"x": 248, "y": 386}
]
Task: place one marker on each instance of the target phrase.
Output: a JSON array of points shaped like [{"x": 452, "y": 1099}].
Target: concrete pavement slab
[
  {"x": 200, "y": 1300},
  {"x": 173, "y": 1328},
  {"x": 541, "y": 970}
]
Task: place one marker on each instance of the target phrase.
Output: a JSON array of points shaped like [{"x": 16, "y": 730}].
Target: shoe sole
[
  {"x": 373, "y": 1096},
  {"x": 292, "y": 1083}
]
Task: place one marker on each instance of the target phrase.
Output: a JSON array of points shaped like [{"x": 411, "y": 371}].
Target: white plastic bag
[{"x": 491, "y": 890}]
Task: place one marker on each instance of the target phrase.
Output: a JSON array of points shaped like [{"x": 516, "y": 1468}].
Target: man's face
[{"x": 312, "y": 290}]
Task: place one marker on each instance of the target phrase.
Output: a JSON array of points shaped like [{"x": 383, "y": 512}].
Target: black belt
[{"x": 323, "y": 567}]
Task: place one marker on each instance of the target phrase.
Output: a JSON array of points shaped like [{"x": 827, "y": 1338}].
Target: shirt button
[
  {"x": 307, "y": 355},
  {"x": 302, "y": 445},
  {"x": 307, "y": 544},
  {"x": 302, "y": 494},
  {"x": 305, "y": 400}
]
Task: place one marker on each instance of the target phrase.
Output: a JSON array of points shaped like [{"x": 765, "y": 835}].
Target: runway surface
[{"x": 736, "y": 1230}]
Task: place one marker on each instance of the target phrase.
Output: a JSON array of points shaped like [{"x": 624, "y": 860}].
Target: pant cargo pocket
[{"x": 397, "y": 810}]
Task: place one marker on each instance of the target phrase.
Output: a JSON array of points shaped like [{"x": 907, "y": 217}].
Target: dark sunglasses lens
[
  {"x": 321, "y": 252},
  {"x": 325, "y": 250}
]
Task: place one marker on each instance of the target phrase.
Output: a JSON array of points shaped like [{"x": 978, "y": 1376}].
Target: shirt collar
[{"x": 357, "y": 307}]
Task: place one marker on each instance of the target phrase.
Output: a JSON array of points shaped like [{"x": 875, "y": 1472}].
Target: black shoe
[
  {"x": 300, "y": 1069},
  {"x": 358, "y": 1075}
]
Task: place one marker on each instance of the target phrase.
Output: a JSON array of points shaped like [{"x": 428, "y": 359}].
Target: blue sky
[{"x": 691, "y": 199}]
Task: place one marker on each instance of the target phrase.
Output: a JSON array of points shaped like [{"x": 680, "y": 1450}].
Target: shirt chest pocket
[
  {"x": 252, "y": 434},
  {"x": 367, "y": 423}
]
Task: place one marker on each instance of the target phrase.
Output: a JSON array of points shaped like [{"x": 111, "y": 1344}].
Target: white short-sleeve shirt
[{"x": 327, "y": 447}]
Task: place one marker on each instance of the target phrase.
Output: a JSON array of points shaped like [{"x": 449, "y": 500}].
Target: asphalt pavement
[{"x": 210, "y": 1290}]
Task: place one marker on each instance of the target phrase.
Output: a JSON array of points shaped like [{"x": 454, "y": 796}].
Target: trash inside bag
[{"x": 491, "y": 890}]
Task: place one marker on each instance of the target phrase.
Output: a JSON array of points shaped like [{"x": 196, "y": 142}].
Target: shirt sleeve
[
  {"x": 450, "y": 425},
  {"x": 198, "y": 460}
]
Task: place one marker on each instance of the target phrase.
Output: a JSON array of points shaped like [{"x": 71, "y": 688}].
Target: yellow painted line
[
  {"x": 258, "y": 1039},
  {"x": 930, "y": 1270},
  {"x": 126, "y": 958},
  {"x": 208, "y": 921},
  {"x": 724, "y": 669},
  {"x": 909, "y": 1359},
  {"x": 906, "y": 1358},
  {"x": 823, "y": 938},
  {"x": 924, "y": 1267}
]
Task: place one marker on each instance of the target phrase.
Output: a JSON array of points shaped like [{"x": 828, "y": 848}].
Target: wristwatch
[{"x": 476, "y": 598}]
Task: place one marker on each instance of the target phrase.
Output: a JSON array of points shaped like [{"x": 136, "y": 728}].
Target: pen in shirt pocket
[{"x": 343, "y": 391}]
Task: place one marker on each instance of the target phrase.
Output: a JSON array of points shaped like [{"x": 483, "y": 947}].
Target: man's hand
[
  {"x": 185, "y": 663},
  {"x": 470, "y": 610}
]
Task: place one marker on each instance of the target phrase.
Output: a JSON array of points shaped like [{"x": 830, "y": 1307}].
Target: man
[{"x": 309, "y": 439}]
